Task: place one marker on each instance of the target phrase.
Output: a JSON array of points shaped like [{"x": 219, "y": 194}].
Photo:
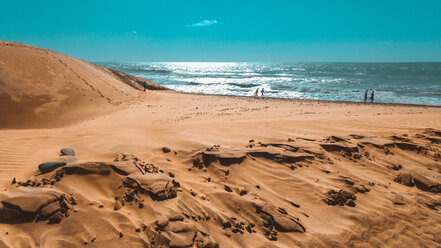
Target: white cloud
[{"x": 204, "y": 23}]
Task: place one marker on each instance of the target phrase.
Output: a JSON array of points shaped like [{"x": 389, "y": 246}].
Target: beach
[{"x": 160, "y": 168}]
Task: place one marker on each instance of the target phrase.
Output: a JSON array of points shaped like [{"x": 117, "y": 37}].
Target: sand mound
[{"x": 43, "y": 88}]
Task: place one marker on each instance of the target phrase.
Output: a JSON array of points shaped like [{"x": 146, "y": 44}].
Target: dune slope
[{"x": 43, "y": 88}]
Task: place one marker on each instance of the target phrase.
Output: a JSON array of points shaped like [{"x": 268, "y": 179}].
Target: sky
[{"x": 229, "y": 30}]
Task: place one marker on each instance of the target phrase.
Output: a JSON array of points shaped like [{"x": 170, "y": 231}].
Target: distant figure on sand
[
  {"x": 372, "y": 96},
  {"x": 145, "y": 86},
  {"x": 262, "y": 91},
  {"x": 256, "y": 94},
  {"x": 365, "y": 96}
]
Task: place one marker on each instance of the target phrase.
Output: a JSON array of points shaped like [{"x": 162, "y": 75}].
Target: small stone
[
  {"x": 166, "y": 149},
  {"x": 121, "y": 235},
  {"x": 351, "y": 203},
  {"x": 228, "y": 189},
  {"x": 226, "y": 225},
  {"x": 67, "y": 152},
  {"x": 14, "y": 181},
  {"x": 243, "y": 192}
]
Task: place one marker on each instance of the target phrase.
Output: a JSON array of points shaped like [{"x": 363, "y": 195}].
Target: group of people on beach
[
  {"x": 366, "y": 96},
  {"x": 256, "y": 93}
]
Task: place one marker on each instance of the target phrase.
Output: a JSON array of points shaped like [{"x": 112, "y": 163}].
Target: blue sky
[{"x": 239, "y": 30}]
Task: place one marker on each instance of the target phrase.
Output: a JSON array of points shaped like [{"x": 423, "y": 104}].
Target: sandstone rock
[
  {"x": 93, "y": 168},
  {"x": 339, "y": 148},
  {"x": 405, "y": 178},
  {"x": 50, "y": 209},
  {"x": 274, "y": 219},
  {"x": 423, "y": 183},
  {"x": 419, "y": 181},
  {"x": 158, "y": 185},
  {"x": 30, "y": 203},
  {"x": 341, "y": 198}
]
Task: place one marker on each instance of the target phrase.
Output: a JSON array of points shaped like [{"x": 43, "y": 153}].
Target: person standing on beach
[
  {"x": 145, "y": 86},
  {"x": 256, "y": 94},
  {"x": 372, "y": 96},
  {"x": 262, "y": 91},
  {"x": 365, "y": 96}
]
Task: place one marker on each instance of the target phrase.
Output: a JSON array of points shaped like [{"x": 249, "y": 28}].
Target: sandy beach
[{"x": 159, "y": 168}]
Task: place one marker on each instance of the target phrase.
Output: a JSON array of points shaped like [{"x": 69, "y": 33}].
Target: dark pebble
[
  {"x": 50, "y": 166},
  {"x": 67, "y": 152}
]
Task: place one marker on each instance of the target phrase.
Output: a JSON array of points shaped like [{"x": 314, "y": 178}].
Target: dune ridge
[
  {"x": 43, "y": 88},
  {"x": 167, "y": 169}
]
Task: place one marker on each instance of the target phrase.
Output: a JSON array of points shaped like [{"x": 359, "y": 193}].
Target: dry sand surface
[{"x": 167, "y": 169}]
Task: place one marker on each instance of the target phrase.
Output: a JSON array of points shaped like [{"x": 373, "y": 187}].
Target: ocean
[{"x": 412, "y": 83}]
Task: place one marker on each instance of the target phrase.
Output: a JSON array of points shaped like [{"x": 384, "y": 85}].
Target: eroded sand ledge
[{"x": 239, "y": 172}]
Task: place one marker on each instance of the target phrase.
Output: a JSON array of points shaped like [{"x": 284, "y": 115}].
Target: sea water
[{"x": 413, "y": 83}]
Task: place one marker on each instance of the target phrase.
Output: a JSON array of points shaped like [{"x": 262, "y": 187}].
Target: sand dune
[
  {"x": 169, "y": 169},
  {"x": 42, "y": 88}
]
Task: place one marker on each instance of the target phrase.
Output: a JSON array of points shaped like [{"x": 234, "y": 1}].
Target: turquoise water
[{"x": 414, "y": 83}]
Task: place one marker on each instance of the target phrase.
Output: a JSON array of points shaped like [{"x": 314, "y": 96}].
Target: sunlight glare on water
[{"x": 416, "y": 83}]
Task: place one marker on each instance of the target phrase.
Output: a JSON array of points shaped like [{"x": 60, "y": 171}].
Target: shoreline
[{"x": 313, "y": 100}]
